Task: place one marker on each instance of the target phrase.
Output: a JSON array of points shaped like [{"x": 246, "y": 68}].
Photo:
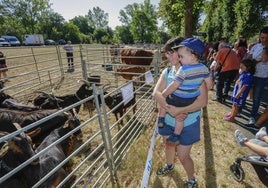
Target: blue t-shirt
[
  {"x": 170, "y": 120},
  {"x": 190, "y": 78}
]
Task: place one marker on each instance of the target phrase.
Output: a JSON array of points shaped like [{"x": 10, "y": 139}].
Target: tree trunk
[{"x": 188, "y": 25}]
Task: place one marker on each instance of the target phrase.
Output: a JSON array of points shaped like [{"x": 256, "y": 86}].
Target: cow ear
[{"x": 4, "y": 149}]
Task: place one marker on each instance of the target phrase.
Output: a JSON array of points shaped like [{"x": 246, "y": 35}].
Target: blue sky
[{"x": 70, "y": 9}]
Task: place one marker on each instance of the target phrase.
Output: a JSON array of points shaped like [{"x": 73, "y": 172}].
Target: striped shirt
[
  {"x": 68, "y": 48},
  {"x": 190, "y": 78}
]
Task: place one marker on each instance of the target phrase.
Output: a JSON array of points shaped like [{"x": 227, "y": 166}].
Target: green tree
[
  {"x": 97, "y": 18},
  {"x": 250, "y": 17},
  {"x": 180, "y": 16},
  {"x": 141, "y": 20},
  {"x": 82, "y": 22},
  {"x": 51, "y": 24},
  {"x": 71, "y": 32},
  {"x": 122, "y": 34},
  {"x": 24, "y": 13},
  {"x": 233, "y": 18}
]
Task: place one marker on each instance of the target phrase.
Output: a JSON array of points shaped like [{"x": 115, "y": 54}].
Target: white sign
[
  {"x": 148, "y": 77},
  {"x": 149, "y": 161},
  {"x": 127, "y": 93}
]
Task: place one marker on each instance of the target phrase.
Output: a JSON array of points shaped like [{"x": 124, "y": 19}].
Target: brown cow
[{"x": 136, "y": 56}]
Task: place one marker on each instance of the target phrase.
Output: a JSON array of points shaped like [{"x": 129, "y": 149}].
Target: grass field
[{"x": 212, "y": 156}]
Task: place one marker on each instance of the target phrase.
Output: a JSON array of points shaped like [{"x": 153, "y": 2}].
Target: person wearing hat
[
  {"x": 189, "y": 114},
  {"x": 70, "y": 56},
  {"x": 185, "y": 87}
]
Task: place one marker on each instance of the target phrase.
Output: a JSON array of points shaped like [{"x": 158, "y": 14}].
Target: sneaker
[
  {"x": 160, "y": 122},
  {"x": 227, "y": 115},
  {"x": 229, "y": 118},
  {"x": 261, "y": 133},
  {"x": 253, "y": 127},
  {"x": 173, "y": 139},
  {"x": 192, "y": 183},
  {"x": 251, "y": 120},
  {"x": 164, "y": 170},
  {"x": 240, "y": 138}
]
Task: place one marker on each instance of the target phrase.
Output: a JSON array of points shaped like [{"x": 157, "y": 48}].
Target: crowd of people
[{"x": 182, "y": 91}]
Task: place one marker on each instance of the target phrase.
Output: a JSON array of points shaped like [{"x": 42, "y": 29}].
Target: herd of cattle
[
  {"x": 15, "y": 115},
  {"x": 18, "y": 149}
]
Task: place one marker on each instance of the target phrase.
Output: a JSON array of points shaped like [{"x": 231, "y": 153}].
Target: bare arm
[
  {"x": 209, "y": 82},
  {"x": 171, "y": 88},
  {"x": 199, "y": 103},
  {"x": 157, "y": 93}
]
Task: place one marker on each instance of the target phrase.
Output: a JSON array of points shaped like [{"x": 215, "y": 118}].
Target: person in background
[
  {"x": 259, "y": 52},
  {"x": 191, "y": 130},
  {"x": 242, "y": 46},
  {"x": 241, "y": 88},
  {"x": 228, "y": 60},
  {"x": 3, "y": 68},
  {"x": 258, "y": 145},
  {"x": 70, "y": 56}
]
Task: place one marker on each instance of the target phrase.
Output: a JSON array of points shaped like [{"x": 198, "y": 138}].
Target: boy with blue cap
[{"x": 186, "y": 86}]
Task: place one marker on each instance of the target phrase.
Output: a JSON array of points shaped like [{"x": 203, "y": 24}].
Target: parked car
[
  {"x": 61, "y": 42},
  {"x": 50, "y": 42},
  {"x": 3, "y": 42},
  {"x": 13, "y": 40}
]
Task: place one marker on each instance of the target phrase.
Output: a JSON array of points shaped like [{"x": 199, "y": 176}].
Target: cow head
[
  {"x": 84, "y": 91},
  {"x": 15, "y": 151}
]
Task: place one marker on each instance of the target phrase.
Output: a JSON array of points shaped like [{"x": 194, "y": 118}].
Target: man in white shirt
[{"x": 260, "y": 76}]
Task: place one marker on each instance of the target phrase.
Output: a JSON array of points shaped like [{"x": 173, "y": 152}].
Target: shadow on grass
[
  {"x": 173, "y": 177},
  {"x": 209, "y": 158}
]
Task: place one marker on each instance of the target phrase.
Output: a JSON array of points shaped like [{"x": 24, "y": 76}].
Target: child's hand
[
  {"x": 177, "y": 131},
  {"x": 181, "y": 117}
]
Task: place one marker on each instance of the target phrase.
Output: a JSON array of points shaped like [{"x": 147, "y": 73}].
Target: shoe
[
  {"x": 229, "y": 118},
  {"x": 164, "y": 170},
  {"x": 173, "y": 139},
  {"x": 251, "y": 120},
  {"x": 192, "y": 183},
  {"x": 218, "y": 100},
  {"x": 160, "y": 122},
  {"x": 253, "y": 127},
  {"x": 261, "y": 133},
  {"x": 240, "y": 138},
  {"x": 227, "y": 115}
]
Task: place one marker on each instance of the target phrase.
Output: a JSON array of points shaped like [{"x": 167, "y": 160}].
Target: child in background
[
  {"x": 241, "y": 88},
  {"x": 186, "y": 86}
]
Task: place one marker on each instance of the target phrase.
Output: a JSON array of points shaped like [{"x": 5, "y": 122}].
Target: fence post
[
  {"x": 36, "y": 65},
  {"x": 60, "y": 60},
  {"x": 83, "y": 62},
  {"x": 106, "y": 135}
]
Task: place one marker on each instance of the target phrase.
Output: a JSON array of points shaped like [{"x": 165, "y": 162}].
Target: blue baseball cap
[{"x": 195, "y": 44}]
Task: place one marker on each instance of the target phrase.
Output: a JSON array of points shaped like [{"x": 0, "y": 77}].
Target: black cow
[
  {"x": 115, "y": 103},
  {"x": 49, "y": 101},
  {"x": 24, "y": 118},
  {"x": 18, "y": 149}
]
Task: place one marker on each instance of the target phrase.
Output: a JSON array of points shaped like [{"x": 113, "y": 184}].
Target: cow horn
[
  {"x": 18, "y": 127},
  {"x": 85, "y": 81},
  {"x": 34, "y": 132},
  {"x": 4, "y": 149}
]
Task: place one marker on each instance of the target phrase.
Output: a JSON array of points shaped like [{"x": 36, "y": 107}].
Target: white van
[
  {"x": 13, "y": 40},
  {"x": 33, "y": 39}
]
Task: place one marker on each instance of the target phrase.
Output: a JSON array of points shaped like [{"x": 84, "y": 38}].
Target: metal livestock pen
[{"x": 104, "y": 143}]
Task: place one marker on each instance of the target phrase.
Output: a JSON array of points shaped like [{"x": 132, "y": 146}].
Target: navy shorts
[{"x": 189, "y": 135}]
